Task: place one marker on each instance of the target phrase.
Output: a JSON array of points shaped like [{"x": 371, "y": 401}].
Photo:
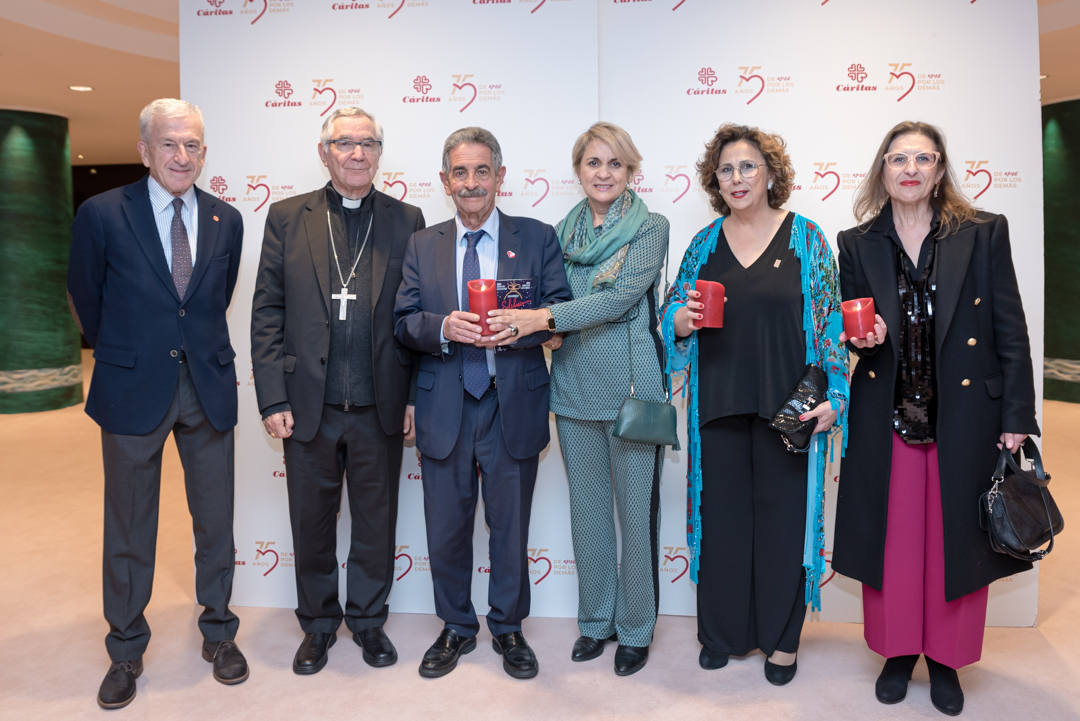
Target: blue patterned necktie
[
  {"x": 181, "y": 250},
  {"x": 473, "y": 360}
]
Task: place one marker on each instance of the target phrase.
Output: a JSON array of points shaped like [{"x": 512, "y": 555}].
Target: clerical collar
[{"x": 349, "y": 203}]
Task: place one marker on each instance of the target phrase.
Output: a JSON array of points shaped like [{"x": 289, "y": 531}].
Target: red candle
[
  {"x": 858, "y": 317},
  {"x": 712, "y": 295},
  {"x": 482, "y": 299}
]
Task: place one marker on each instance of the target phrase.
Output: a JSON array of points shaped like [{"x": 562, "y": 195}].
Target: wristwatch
[{"x": 551, "y": 321}]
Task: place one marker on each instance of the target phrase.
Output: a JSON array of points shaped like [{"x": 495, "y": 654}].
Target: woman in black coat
[{"x": 945, "y": 376}]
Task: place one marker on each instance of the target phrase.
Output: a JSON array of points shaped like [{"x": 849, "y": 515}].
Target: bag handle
[
  {"x": 1038, "y": 477},
  {"x": 630, "y": 340}
]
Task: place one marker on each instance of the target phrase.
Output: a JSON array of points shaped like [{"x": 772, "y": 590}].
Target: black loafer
[
  {"x": 518, "y": 659},
  {"x": 780, "y": 675},
  {"x": 945, "y": 691},
  {"x": 118, "y": 687},
  {"x": 443, "y": 655},
  {"x": 892, "y": 682},
  {"x": 313, "y": 653},
  {"x": 710, "y": 661},
  {"x": 230, "y": 666},
  {"x": 378, "y": 651},
  {"x": 587, "y": 648},
  {"x": 630, "y": 659}
]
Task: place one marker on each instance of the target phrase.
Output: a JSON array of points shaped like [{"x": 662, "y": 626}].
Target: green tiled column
[
  {"x": 1061, "y": 178},
  {"x": 39, "y": 343}
]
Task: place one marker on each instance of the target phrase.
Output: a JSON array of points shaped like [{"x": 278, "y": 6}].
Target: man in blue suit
[
  {"x": 475, "y": 407},
  {"x": 152, "y": 270}
]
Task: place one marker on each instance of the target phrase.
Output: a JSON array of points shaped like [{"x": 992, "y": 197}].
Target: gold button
[
  {"x": 978, "y": 300},
  {"x": 872, "y": 374},
  {"x": 972, "y": 341},
  {"x": 966, "y": 382}
]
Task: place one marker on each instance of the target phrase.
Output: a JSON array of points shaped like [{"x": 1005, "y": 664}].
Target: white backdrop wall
[{"x": 830, "y": 76}]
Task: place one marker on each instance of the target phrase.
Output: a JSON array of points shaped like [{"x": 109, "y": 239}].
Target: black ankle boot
[
  {"x": 945, "y": 691},
  {"x": 892, "y": 682}
]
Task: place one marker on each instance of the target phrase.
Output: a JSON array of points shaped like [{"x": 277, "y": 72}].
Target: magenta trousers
[{"x": 909, "y": 615}]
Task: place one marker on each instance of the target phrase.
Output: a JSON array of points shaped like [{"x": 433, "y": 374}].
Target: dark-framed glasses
[
  {"x": 923, "y": 161},
  {"x": 370, "y": 146},
  {"x": 747, "y": 170}
]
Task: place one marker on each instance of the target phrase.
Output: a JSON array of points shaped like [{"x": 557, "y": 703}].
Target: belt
[{"x": 491, "y": 386}]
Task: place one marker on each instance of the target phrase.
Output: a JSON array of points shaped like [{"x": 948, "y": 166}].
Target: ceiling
[{"x": 127, "y": 50}]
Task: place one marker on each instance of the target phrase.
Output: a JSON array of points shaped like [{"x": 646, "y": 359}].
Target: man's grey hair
[
  {"x": 348, "y": 112},
  {"x": 167, "y": 108},
  {"x": 480, "y": 136}
]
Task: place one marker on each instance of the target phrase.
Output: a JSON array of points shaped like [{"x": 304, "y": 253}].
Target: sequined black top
[{"x": 915, "y": 400}]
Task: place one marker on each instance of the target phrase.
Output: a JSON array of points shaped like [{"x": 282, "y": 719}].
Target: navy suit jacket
[
  {"x": 129, "y": 311},
  {"x": 428, "y": 293}
]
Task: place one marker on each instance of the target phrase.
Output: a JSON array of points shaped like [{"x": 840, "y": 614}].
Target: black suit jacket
[
  {"x": 129, "y": 311},
  {"x": 290, "y": 314},
  {"x": 984, "y": 387}
]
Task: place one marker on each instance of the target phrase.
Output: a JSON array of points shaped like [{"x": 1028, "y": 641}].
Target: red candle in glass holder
[
  {"x": 482, "y": 299},
  {"x": 858, "y": 317},
  {"x": 712, "y": 296}
]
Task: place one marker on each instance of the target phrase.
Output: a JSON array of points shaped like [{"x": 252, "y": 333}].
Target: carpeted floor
[{"x": 52, "y": 635}]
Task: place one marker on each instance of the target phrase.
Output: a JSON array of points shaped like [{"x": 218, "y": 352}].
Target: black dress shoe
[
  {"x": 518, "y": 659},
  {"x": 780, "y": 675},
  {"x": 230, "y": 666},
  {"x": 313, "y": 653},
  {"x": 630, "y": 659},
  {"x": 891, "y": 685},
  {"x": 378, "y": 651},
  {"x": 710, "y": 660},
  {"x": 945, "y": 691},
  {"x": 586, "y": 648},
  {"x": 442, "y": 657},
  {"x": 118, "y": 687}
]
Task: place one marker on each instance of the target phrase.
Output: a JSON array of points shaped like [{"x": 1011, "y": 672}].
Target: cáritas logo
[
  {"x": 421, "y": 91},
  {"x": 283, "y": 92},
  {"x": 707, "y": 79},
  {"x": 217, "y": 9}
]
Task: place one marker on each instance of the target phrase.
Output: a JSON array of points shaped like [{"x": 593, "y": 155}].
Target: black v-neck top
[{"x": 751, "y": 364}]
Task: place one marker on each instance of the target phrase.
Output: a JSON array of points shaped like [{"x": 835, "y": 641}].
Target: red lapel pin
[
  {"x": 216, "y": 219},
  {"x": 511, "y": 254}
]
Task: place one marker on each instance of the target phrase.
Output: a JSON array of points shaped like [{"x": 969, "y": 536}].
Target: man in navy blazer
[
  {"x": 475, "y": 407},
  {"x": 151, "y": 273}
]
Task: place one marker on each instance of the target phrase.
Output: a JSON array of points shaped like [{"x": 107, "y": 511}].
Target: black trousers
[
  {"x": 132, "y": 493},
  {"x": 450, "y": 496},
  {"x": 753, "y": 514},
  {"x": 350, "y": 444}
]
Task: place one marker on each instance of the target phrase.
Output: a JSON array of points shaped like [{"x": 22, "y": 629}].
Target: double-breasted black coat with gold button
[{"x": 984, "y": 387}]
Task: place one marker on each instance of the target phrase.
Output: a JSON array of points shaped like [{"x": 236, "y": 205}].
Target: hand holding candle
[
  {"x": 858, "y": 317},
  {"x": 482, "y": 299},
  {"x": 712, "y": 297}
]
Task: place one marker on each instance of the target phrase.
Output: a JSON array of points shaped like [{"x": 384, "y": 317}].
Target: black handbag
[
  {"x": 808, "y": 393},
  {"x": 1018, "y": 513},
  {"x": 642, "y": 421}
]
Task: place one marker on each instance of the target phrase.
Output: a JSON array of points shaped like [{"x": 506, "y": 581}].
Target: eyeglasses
[
  {"x": 923, "y": 161},
  {"x": 747, "y": 170},
  {"x": 370, "y": 146}
]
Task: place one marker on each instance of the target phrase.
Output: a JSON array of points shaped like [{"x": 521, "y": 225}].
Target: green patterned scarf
[{"x": 606, "y": 253}]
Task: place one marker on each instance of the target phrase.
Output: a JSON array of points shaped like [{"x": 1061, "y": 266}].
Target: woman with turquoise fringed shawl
[
  {"x": 756, "y": 526},
  {"x": 613, "y": 248}
]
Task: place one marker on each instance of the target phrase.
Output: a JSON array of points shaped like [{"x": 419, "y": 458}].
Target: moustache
[{"x": 475, "y": 193}]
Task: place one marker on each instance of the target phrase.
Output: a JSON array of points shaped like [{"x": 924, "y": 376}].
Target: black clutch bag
[
  {"x": 807, "y": 394},
  {"x": 1018, "y": 513}
]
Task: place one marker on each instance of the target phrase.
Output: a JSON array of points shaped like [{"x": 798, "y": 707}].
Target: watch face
[{"x": 551, "y": 322}]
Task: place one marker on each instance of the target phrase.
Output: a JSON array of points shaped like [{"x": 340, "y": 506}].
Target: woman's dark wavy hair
[{"x": 771, "y": 146}]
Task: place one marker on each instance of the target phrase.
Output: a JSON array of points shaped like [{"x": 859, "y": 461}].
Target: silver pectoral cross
[{"x": 344, "y": 296}]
